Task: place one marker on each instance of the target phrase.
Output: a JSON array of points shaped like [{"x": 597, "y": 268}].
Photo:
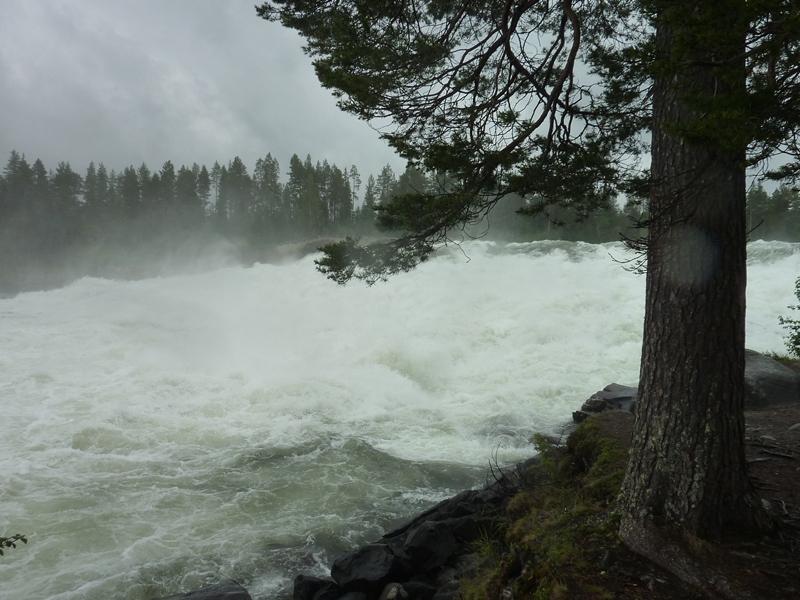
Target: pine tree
[
  {"x": 130, "y": 193},
  {"x": 268, "y": 194},
  {"x": 340, "y": 200},
  {"x": 355, "y": 184},
  {"x": 167, "y": 190},
  {"x": 385, "y": 185},
  {"x": 237, "y": 188},
  {"x": 203, "y": 188},
  {"x": 103, "y": 190},
  {"x": 216, "y": 174},
  {"x": 186, "y": 198},
  {"x": 149, "y": 185},
  {"x": 90, "y": 192},
  {"x": 19, "y": 182},
  {"x": 292, "y": 193},
  {"x": 565, "y": 101}
]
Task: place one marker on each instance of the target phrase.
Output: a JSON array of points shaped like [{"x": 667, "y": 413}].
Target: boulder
[
  {"x": 768, "y": 382},
  {"x": 307, "y": 587},
  {"x": 449, "y": 591},
  {"x": 471, "y": 528},
  {"x": 353, "y": 596},
  {"x": 484, "y": 502},
  {"x": 393, "y": 591},
  {"x": 430, "y": 545},
  {"x": 419, "y": 591},
  {"x": 369, "y": 569},
  {"x": 227, "y": 590},
  {"x": 419, "y": 560},
  {"x": 612, "y": 397}
]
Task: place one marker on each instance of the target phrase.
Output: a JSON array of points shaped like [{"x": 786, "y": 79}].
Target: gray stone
[
  {"x": 393, "y": 591},
  {"x": 449, "y": 591},
  {"x": 369, "y": 569},
  {"x": 612, "y": 397},
  {"x": 768, "y": 382},
  {"x": 419, "y": 591},
  {"x": 471, "y": 528},
  {"x": 227, "y": 590},
  {"x": 306, "y": 587},
  {"x": 430, "y": 545},
  {"x": 353, "y": 596}
]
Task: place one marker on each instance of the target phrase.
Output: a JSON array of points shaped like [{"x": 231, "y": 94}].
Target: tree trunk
[{"x": 687, "y": 463}]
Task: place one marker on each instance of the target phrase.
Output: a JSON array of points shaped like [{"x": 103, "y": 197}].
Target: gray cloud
[{"x": 150, "y": 81}]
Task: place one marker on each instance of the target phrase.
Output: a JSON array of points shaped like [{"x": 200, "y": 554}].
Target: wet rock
[
  {"x": 394, "y": 591},
  {"x": 369, "y": 569},
  {"x": 421, "y": 560},
  {"x": 353, "y": 596},
  {"x": 430, "y": 545},
  {"x": 449, "y": 591},
  {"x": 612, "y": 397},
  {"x": 332, "y": 592},
  {"x": 768, "y": 382},
  {"x": 307, "y": 587},
  {"x": 419, "y": 591},
  {"x": 227, "y": 590}
]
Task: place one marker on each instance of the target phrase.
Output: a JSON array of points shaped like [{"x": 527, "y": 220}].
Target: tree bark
[{"x": 687, "y": 463}]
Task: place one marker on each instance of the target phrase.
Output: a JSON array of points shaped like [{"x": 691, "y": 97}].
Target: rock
[
  {"x": 430, "y": 545},
  {"x": 227, "y": 590},
  {"x": 612, "y": 397},
  {"x": 449, "y": 591},
  {"x": 768, "y": 382},
  {"x": 353, "y": 596},
  {"x": 470, "y": 528},
  {"x": 469, "y": 502},
  {"x": 332, "y": 592},
  {"x": 393, "y": 591},
  {"x": 369, "y": 569},
  {"x": 419, "y": 591},
  {"x": 794, "y": 427},
  {"x": 307, "y": 587}
]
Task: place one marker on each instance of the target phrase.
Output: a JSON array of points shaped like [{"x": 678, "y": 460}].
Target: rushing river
[{"x": 251, "y": 423}]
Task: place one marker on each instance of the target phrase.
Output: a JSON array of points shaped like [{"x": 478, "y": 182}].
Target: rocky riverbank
[{"x": 428, "y": 557}]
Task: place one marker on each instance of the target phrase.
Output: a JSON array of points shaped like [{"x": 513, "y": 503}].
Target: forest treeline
[{"x": 56, "y": 225}]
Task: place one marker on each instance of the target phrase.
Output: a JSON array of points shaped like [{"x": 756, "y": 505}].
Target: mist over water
[{"x": 250, "y": 423}]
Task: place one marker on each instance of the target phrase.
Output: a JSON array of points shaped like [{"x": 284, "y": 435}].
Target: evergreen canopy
[
  {"x": 574, "y": 102},
  {"x": 548, "y": 99}
]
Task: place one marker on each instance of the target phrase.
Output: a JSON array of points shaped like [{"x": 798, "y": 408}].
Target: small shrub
[{"x": 792, "y": 339}]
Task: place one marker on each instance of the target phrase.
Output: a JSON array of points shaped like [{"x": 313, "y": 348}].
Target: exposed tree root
[{"x": 645, "y": 539}]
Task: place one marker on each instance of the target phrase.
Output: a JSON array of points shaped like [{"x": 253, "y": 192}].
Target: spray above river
[{"x": 249, "y": 423}]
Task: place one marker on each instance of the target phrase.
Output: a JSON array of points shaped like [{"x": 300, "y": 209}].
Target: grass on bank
[
  {"x": 560, "y": 536},
  {"x": 561, "y": 524}
]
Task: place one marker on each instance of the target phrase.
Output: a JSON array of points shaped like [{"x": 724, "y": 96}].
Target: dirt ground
[{"x": 767, "y": 568}]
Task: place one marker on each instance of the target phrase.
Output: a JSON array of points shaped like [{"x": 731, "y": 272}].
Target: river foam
[{"x": 246, "y": 423}]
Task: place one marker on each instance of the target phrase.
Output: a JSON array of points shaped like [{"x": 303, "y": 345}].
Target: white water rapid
[{"x": 160, "y": 434}]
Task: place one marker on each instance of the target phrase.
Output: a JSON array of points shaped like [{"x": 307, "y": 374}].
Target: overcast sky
[{"x": 153, "y": 80}]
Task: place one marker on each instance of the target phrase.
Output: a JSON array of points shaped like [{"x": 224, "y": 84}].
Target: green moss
[{"x": 561, "y": 524}]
